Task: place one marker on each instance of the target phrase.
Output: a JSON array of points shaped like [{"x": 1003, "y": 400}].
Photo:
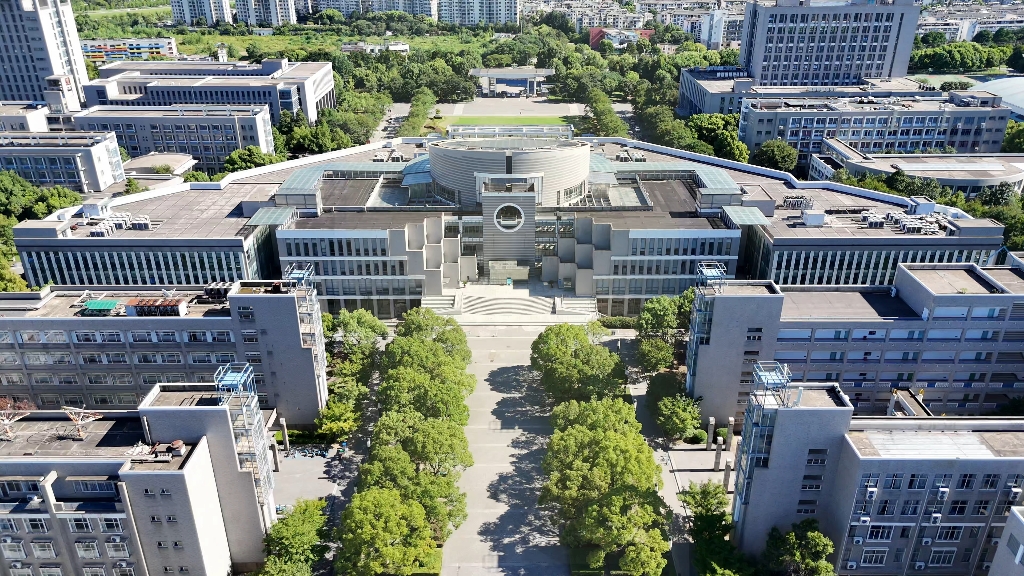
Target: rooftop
[
  {"x": 942, "y": 167},
  {"x": 861, "y": 104},
  {"x": 953, "y": 280},
  {"x": 937, "y": 444},
  {"x": 53, "y": 139},
  {"x": 62, "y": 303},
  {"x": 812, "y": 305},
  {"x": 210, "y": 110},
  {"x": 21, "y": 108}
]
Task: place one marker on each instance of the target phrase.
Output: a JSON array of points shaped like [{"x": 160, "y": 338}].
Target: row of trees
[
  {"x": 603, "y": 483},
  {"x": 423, "y": 102},
  {"x": 573, "y": 366},
  {"x": 408, "y": 501},
  {"x": 959, "y": 57},
  {"x": 802, "y": 551},
  {"x": 710, "y": 134},
  {"x": 296, "y": 541},
  {"x": 352, "y": 339},
  {"x": 601, "y": 119}
]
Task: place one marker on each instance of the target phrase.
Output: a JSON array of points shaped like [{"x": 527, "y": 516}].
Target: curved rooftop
[{"x": 519, "y": 144}]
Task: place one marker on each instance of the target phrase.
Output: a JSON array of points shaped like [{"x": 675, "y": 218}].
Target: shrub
[
  {"x": 722, "y": 433},
  {"x": 620, "y": 322},
  {"x": 696, "y": 436},
  {"x": 677, "y": 415}
]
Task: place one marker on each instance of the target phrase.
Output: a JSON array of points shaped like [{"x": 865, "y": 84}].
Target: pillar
[
  {"x": 284, "y": 434},
  {"x": 729, "y": 433},
  {"x": 725, "y": 480},
  {"x": 711, "y": 432},
  {"x": 719, "y": 443},
  {"x": 277, "y": 456}
]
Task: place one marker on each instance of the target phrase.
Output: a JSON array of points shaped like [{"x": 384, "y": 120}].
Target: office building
[
  {"x": 39, "y": 40},
  {"x": 280, "y": 84},
  {"x": 83, "y": 161},
  {"x": 129, "y": 49},
  {"x": 808, "y": 43},
  {"x": 972, "y": 122},
  {"x": 968, "y": 174},
  {"x": 266, "y": 12},
  {"x": 207, "y": 133},
  {"x": 953, "y": 331},
  {"x": 722, "y": 90},
  {"x": 196, "y": 12},
  {"x": 898, "y": 490},
  {"x": 473, "y": 12},
  {"x": 107, "y": 347},
  {"x": 23, "y": 117},
  {"x": 183, "y": 485}
]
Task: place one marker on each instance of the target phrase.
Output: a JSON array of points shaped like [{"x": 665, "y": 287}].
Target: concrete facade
[
  {"x": 39, "y": 40},
  {"x": 212, "y": 11},
  {"x": 129, "y": 48},
  {"x": 1007, "y": 559},
  {"x": 83, "y": 161}
]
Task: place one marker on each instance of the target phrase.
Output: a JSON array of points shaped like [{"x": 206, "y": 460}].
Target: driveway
[{"x": 506, "y": 532}]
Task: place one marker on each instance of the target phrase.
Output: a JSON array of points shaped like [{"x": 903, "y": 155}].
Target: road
[
  {"x": 506, "y": 532},
  {"x": 386, "y": 129}
]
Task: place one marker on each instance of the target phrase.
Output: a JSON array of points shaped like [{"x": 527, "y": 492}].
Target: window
[
  {"x": 161, "y": 544},
  {"x": 893, "y": 481},
  {"x": 966, "y": 482},
  {"x": 222, "y": 336},
  {"x": 942, "y": 557},
  {"x": 811, "y": 482},
  {"x": 887, "y": 508},
  {"x": 50, "y": 571},
  {"x": 43, "y": 550},
  {"x": 183, "y": 569},
  {"x": 172, "y": 518},
  {"x": 142, "y": 336},
  {"x": 8, "y": 525},
  {"x": 942, "y": 481},
  {"x": 816, "y": 456},
  {"x": 13, "y": 550},
  {"x": 250, "y": 336},
  {"x": 112, "y": 525},
  {"x": 253, "y": 358},
  {"x": 93, "y": 486},
  {"x": 23, "y": 486},
  {"x": 178, "y": 545},
  {"x": 154, "y": 519},
  {"x": 874, "y": 556},
  {"x": 910, "y": 508},
  {"x": 918, "y": 482},
  {"x": 126, "y": 571},
  {"x": 87, "y": 549},
  {"x": 982, "y": 508},
  {"x": 880, "y": 532},
  {"x": 37, "y": 525},
  {"x": 990, "y": 482},
  {"x": 202, "y": 358},
  {"x": 197, "y": 336},
  {"x": 117, "y": 550},
  {"x": 94, "y": 571},
  {"x": 869, "y": 480},
  {"x": 80, "y": 524},
  {"x": 949, "y": 533},
  {"x": 958, "y": 508},
  {"x": 165, "y": 492}
]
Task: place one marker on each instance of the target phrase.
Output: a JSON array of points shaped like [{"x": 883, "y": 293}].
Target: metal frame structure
[{"x": 237, "y": 389}]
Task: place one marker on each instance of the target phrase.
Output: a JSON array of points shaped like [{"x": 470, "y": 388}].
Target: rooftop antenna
[
  {"x": 11, "y": 412},
  {"x": 81, "y": 417}
]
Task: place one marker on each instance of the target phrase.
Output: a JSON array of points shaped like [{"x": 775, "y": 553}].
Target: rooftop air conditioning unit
[
  {"x": 1014, "y": 494},
  {"x": 919, "y": 566},
  {"x": 121, "y": 564},
  {"x": 926, "y": 541},
  {"x": 851, "y": 565},
  {"x": 936, "y": 519},
  {"x": 872, "y": 492},
  {"x": 858, "y": 540},
  {"x": 865, "y": 520},
  {"x": 943, "y": 494}
]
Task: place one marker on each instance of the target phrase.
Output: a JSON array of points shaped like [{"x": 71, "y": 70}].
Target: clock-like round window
[{"x": 509, "y": 218}]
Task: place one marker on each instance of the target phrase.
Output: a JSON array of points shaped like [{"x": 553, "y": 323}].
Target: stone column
[
  {"x": 728, "y": 470},
  {"x": 729, "y": 433},
  {"x": 284, "y": 434},
  {"x": 720, "y": 442},
  {"x": 711, "y": 432},
  {"x": 277, "y": 456}
]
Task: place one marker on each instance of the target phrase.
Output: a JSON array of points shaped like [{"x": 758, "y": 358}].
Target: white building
[
  {"x": 83, "y": 161},
  {"x": 806, "y": 43},
  {"x": 23, "y": 117},
  {"x": 473, "y": 12},
  {"x": 208, "y": 133},
  {"x": 129, "y": 49},
  {"x": 720, "y": 29},
  {"x": 266, "y": 12},
  {"x": 38, "y": 39},
  {"x": 212, "y": 11}
]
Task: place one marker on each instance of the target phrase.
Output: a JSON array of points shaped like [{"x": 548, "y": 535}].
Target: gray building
[
  {"x": 280, "y": 84},
  {"x": 898, "y": 490},
  {"x": 1010, "y": 553},
  {"x": 83, "y": 161},
  {"x": 107, "y": 346},
  {"x": 971, "y": 122},
  {"x": 207, "y": 133},
  {"x": 39, "y": 42},
  {"x": 182, "y": 485},
  {"x": 807, "y": 43},
  {"x": 952, "y": 331}
]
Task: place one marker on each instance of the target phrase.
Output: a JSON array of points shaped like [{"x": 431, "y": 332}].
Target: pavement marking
[{"x": 458, "y": 109}]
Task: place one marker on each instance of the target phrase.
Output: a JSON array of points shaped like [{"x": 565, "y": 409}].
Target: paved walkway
[{"x": 505, "y": 533}]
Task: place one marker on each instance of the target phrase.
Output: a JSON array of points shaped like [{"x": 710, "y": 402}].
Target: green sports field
[{"x": 508, "y": 120}]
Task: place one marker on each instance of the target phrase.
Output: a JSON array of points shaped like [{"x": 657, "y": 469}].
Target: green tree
[
  {"x": 297, "y": 537},
  {"x": 628, "y": 522},
  {"x": 91, "y": 70},
  {"x": 710, "y": 523},
  {"x": 659, "y": 318},
  {"x": 248, "y": 157},
  {"x": 338, "y": 419},
  {"x": 427, "y": 356},
  {"x": 571, "y": 367},
  {"x": 677, "y": 416},
  {"x": 438, "y": 446},
  {"x": 132, "y": 186},
  {"x": 729, "y": 147},
  {"x": 685, "y": 307},
  {"x": 982, "y": 37},
  {"x": 799, "y": 552},
  {"x": 655, "y": 354},
  {"x": 444, "y": 330},
  {"x": 775, "y": 154},
  {"x": 601, "y": 118},
  {"x": 383, "y": 533},
  {"x": 951, "y": 85},
  {"x": 195, "y": 176},
  {"x": 11, "y": 282},
  {"x": 124, "y": 154},
  {"x": 1003, "y": 194},
  {"x": 608, "y": 414},
  {"x": 408, "y": 389},
  {"x": 277, "y": 567},
  {"x": 933, "y": 39},
  {"x": 1013, "y": 141}
]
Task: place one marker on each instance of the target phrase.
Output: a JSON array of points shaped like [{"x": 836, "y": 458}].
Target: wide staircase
[
  {"x": 440, "y": 304},
  {"x": 578, "y": 305},
  {"x": 497, "y": 306}
]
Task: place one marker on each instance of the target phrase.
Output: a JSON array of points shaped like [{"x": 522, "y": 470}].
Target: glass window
[
  {"x": 874, "y": 556},
  {"x": 87, "y": 549}
]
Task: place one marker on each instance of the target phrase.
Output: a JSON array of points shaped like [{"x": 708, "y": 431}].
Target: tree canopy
[
  {"x": 571, "y": 367},
  {"x": 298, "y": 536},
  {"x": 382, "y": 533},
  {"x": 775, "y": 154}
]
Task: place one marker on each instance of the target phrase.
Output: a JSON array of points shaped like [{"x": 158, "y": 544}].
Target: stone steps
[
  {"x": 439, "y": 304},
  {"x": 484, "y": 306}
]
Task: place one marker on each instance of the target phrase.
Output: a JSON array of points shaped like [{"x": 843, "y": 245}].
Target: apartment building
[
  {"x": 23, "y": 117},
  {"x": 280, "y": 84},
  {"x": 473, "y": 12},
  {"x": 129, "y": 49},
  {"x": 722, "y": 90},
  {"x": 195, "y": 12},
  {"x": 38, "y": 40},
  {"x": 83, "y": 161},
  {"x": 721, "y": 29},
  {"x": 952, "y": 331},
  {"x": 207, "y": 133},
  {"x": 972, "y": 122},
  {"x": 899, "y": 490},
  {"x": 183, "y": 485},
  {"x": 427, "y": 8},
  {"x": 968, "y": 174},
  {"x": 108, "y": 347},
  {"x": 808, "y": 43},
  {"x": 268, "y": 13}
]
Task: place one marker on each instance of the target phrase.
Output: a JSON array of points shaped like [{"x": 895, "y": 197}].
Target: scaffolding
[
  {"x": 237, "y": 390},
  {"x": 770, "y": 392},
  {"x": 711, "y": 278}
]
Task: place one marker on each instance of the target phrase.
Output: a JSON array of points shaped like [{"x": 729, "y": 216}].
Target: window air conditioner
[
  {"x": 872, "y": 492},
  {"x": 851, "y": 565},
  {"x": 936, "y": 519},
  {"x": 943, "y": 494},
  {"x": 919, "y": 566},
  {"x": 926, "y": 541},
  {"x": 858, "y": 540},
  {"x": 865, "y": 520}
]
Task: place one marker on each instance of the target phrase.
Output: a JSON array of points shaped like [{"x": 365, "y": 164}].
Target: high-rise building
[
  {"x": 472, "y": 12},
  {"x": 808, "y": 43},
  {"x": 38, "y": 39},
  {"x": 266, "y": 12},
  {"x": 211, "y": 11}
]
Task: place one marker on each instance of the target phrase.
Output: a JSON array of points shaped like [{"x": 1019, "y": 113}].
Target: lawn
[{"x": 509, "y": 120}]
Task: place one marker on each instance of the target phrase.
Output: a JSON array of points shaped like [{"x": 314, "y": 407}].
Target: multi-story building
[
  {"x": 280, "y": 84},
  {"x": 82, "y": 161},
  {"x": 619, "y": 38},
  {"x": 1009, "y": 554},
  {"x": 266, "y": 12},
  {"x": 414, "y": 7},
  {"x": 898, "y": 490},
  {"x": 722, "y": 90},
  {"x": 129, "y": 49},
  {"x": 799, "y": 43},
  {"x": 721, "y": 29},
  {"x": 968, "y": 174},
  {"x": 196, "y": 12},
  {"x": 108, "y": 347},
  {"x": 952, "y": 331},
  {"x": 473, "y": 12},
  {"x": 23, "y": 117},
  {"x": 38, "y": 40},
  {"x": 183, "y": 485},
  {"x": 972, "y": 122},
  {"x": 208, "y": 133}
]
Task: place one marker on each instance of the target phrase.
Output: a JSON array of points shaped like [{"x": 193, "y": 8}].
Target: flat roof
[
  {"x": 210, "y": 110},
  {"x": 21, "y": 108},
  {"x": 52, "y": 139},
  {"x": 63, "y": 303},
  {"x": 937, "y": 444},
  {"x": 953, "y": 281},
  {"x": 1011, "y": 278},
  {"x": 861, "y": 104},
  {"x": 800, "y": 305}
]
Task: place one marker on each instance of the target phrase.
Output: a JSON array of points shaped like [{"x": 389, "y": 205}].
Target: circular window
[{"x": 509, "y": 217}]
